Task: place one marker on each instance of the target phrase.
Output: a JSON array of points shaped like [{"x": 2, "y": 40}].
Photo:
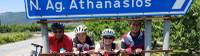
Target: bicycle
[{"x": 36, "y": 52}]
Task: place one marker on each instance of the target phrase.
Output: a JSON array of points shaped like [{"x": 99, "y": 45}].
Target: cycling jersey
[
  {"x": 56, "y": 45},
  {"x": 88, "y": 45},
  {"x": 114, "y": 46},
  {"x": 129, "y": 42}
]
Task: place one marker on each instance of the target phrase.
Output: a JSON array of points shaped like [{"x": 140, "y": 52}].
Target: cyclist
[
  {"x": 133, "y": 41},
  {"x": 107, "y": 43},
  {"x": 58, "y": 40},
  {"x": 82, "y": 42}
]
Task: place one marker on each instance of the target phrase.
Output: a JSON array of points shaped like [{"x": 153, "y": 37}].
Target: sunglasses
[
  {"x": 108, "y": 37},
  {"x": 59, "y": 31}
]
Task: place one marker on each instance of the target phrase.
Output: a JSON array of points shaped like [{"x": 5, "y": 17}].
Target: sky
[{"x": 12, "y": 6}]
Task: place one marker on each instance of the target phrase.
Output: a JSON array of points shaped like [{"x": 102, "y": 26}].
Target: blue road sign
[{"x": 47, "y": 9}]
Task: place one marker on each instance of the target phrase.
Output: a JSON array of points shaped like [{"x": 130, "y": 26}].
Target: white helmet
[
  {"x": 108, "y": 32},
  {"x": 80, "y": 29}
]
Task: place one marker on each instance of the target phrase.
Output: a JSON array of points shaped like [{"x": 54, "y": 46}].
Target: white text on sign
[{"x": 90, "y": 4}]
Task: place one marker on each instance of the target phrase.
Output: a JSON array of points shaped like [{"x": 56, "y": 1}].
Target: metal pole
[
  {"x": 45, "y": 40},
  {"x": 148, "y": 28},
  {"x": 166, "y": 36}
]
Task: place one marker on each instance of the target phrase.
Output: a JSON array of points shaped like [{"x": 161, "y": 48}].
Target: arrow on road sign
[{"x": 178, "y": 4}]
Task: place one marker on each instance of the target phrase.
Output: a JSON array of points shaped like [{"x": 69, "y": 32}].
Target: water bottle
[{"x": 62, "y": 50}]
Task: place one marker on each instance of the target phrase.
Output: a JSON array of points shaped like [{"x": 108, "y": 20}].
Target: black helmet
[{"x": 57, "y": 26}]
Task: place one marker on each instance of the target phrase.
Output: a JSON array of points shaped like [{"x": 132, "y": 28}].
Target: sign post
[
  {"x": 51, "y": 9},
  {"x": 45, "y": 40},
  {"x": 166, "y": 36},
  {"x": 148, "y": 36}
]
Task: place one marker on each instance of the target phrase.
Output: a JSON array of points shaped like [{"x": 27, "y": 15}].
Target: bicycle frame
[{"x": 37, "y": 53}]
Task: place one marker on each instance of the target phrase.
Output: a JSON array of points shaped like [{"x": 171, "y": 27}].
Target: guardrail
[{"x": 109, "y": 52}]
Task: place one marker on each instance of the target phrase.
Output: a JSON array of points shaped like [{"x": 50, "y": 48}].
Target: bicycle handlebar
[{"x": 36, "y": 45}]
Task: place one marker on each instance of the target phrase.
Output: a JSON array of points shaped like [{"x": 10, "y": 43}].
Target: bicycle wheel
[{"x": 33, "y": 53}]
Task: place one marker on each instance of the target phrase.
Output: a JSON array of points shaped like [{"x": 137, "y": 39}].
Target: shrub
[{"x": 13, "y": 37}]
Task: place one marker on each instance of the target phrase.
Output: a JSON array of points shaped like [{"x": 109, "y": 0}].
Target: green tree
[{"x": 187, "y": 30}]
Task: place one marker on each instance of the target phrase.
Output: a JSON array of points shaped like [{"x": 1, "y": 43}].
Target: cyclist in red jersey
[{"x": 58, "y": 40}]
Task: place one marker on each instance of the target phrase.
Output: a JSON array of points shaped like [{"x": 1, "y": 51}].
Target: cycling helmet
[
  {"x": 80, "y": 29},
  {"x": 108, "y": 32}
]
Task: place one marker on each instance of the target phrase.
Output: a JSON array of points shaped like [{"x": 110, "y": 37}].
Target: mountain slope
[{"x": 14, "y": 18}]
